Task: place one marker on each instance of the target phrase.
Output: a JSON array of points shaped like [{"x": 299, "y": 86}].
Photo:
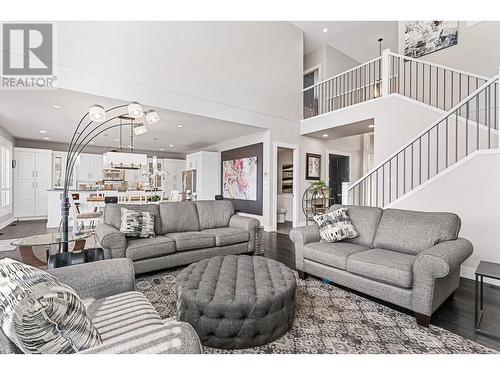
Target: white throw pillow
[
  {"x": 335, "y": 226},
  {"x": 40, "y": 314},
  {"x": 137, "y": 224}
]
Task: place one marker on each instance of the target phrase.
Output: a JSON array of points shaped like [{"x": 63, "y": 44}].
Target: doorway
[
  {"x": 339, "y": 172},
  {"x": 285, "y": 187},
  {"x": 311, "y": 77}
]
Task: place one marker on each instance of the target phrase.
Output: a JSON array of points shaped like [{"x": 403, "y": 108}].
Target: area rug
[{"x": 331, "y": 320}]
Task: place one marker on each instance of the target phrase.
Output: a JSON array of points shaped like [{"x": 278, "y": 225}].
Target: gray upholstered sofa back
[
  {"x": 214, "y": 214},
  {"x": 178, "y": 217},
  {"x": 365, "y": 220},
  {"x": 411, "y": 232}
]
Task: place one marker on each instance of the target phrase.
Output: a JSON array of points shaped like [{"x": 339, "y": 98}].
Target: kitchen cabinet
[
  {"x": 206, "y": 164},
  {"x": 33, "y": 176},
  {"x": 172, "y": 179},
  {"x": 89, "y": 168}
]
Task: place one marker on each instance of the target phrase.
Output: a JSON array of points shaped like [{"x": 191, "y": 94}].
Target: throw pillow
[
  {"x": 40, "y": 314},
  {"x": 335, "y": 226},
  {"x": 137, "y": 224}
]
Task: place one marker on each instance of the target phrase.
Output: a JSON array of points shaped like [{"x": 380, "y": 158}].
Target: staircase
[
  {"x": 470, "y": 122},
  {"x": 469, "y": 126}
]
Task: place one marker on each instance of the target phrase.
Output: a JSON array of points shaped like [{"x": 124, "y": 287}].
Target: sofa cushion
[
  {"x": 192, "y": 240},
  {"x": 113, "y": 215},
  {"x": 335, "y": 226},
  {"x": 228, "y": 236},
  {"x": 332, "y": 254},
  {"x": 365, "y": 220},
  {"x": 137, "y": 224},
  {"x": 128, "y": 324},
  {"x": 152, "y": 247},
  {"x": 214, "y": 214},
  {"x": 412, "y": 232},
  {"x": 388, "y": 266},
  {"x": 178, "y": 217}
]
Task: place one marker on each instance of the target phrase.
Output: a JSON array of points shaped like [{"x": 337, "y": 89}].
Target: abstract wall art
[
  {"x": 239, "y": 178},
  {"x": 424, "y": 37}
]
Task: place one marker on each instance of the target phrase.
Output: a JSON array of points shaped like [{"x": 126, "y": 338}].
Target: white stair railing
[
  {"x": 470, "y": 125},
  {"x": 434, "y": 84}
]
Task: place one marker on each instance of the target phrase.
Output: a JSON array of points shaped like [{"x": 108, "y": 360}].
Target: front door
[{"x": 339, "y": 172}]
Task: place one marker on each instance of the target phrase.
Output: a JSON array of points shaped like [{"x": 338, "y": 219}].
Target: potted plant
[{"x": 320, "y": 192}]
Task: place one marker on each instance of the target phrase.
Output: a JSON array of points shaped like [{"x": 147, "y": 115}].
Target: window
[{"x": 5, "y": 176}]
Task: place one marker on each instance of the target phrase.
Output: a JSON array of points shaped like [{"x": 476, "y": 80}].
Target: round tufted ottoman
[{"x": 236, "y": 301}]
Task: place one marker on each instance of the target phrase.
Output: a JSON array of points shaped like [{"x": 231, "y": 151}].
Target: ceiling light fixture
[
  {"x": 162, "y": 149},
  {"x": 43, "y": 131},
  {"x": 135, "y": 110},
  {"x": 180, "y": 126},
  {"x": 325, "y": 30},
  {"x": 152, "y": 117},
  {"x": 170, "y": 145},
  {"x": 325, "y": 135},
  {"x": 57, "y": 106},
  {"x": 117, "y": 140},
  {"x": 46, "y": 138},
  {"x": 371, "y": 126},
  {"x": 140, "y": 129},
  {"x": 97, "y": 113}
]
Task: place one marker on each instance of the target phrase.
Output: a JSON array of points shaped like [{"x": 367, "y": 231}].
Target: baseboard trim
[{"x": 469, "y": 272}]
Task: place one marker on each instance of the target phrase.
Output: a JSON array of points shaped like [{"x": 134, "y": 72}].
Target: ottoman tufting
[{"x": 236, "y": 301}]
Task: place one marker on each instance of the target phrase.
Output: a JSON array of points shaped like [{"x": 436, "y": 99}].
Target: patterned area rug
[{"x": 331, "y": 320}]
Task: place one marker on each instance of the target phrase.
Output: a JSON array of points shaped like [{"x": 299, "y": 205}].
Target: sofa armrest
[
  {"x": 169, "y": 338},
  {"x": 244, "y": 222},
  {"x": 304, "y": 235},
  {"x": 98, "y": 279},
  {"x": 111, "y": 239},
  {"x": 436, "y": 274},
  {"x": 439, "y": 260}
]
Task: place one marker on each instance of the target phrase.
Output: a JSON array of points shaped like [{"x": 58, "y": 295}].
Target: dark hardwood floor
[{"x": 455, "y": 315}]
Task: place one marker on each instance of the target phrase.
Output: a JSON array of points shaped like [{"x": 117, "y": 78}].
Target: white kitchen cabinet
[
  {"x": 33, "y": 176},
  {"x": 206, "y": 164},
  {"x": 89, "y": 168},
  {"x": 172, "y": 180}
]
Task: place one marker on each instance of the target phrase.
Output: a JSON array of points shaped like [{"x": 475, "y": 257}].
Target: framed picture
[
  {"x": 239, "y": 179},
  {"x": 313, "y": 166},
  {"x": 424, "y": 37}
]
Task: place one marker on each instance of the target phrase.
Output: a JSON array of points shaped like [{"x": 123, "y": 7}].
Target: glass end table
[
  {"x": 488, "y": 270},
  {"x": 54, "y": 243}
]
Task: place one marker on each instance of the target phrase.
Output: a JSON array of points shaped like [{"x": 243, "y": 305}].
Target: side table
[{"x": 488, "y": 270}]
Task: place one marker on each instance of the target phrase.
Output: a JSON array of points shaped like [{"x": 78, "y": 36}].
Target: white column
[
  {"x": 345, "y": 192},
  {"x": 385, "y": 73}
]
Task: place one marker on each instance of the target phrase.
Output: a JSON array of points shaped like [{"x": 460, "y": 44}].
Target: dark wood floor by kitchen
[{"x": 455, "y": 315}]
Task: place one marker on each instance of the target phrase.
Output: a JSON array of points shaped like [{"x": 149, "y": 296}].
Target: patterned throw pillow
[
  {"x": 335, "y": 226},
  {"x": 40, "y": 314},
  {"x": 137, "y": 224}
]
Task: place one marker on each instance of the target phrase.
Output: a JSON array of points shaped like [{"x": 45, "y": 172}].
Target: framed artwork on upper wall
[
  {"x": 313, "y": 166},
  {"x": 424, "y": 37}
]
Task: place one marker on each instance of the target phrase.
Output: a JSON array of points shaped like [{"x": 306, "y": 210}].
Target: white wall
[
  {"x": 332, "y": 61},
  {"x": 246, "y": 72},
  {"x": 4, "y": 219},
  {"x": 477, "y": 50},
  {"x": 471, "y": 191}
]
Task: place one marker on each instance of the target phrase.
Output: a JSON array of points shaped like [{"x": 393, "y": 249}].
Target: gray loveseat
[
  {"x": 408, "y": 258},
  {"x": 186, "y": 232},
  {"x": 125, "y": 319}
]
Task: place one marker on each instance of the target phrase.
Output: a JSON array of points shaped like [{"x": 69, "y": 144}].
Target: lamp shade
[
  {"x": 152, "y": 117},
  {"x": 135, "y": 110},
  {"x": 140, "y": 129},
  {"x": 97, "y": 113}
]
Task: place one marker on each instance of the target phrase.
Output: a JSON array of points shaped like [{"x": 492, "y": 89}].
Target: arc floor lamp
[{"x": 95, "y": 122}]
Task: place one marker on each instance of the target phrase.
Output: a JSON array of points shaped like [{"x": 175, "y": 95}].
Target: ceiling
[
  {"x": 24, "y": 113},
  {"x": 357, "y": 39},
  {"x": 355, "y": 128}
]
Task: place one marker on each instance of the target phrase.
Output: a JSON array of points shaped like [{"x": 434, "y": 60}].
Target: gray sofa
[
  {"x": 125, "y": 319},
  {"x": 408, "y": 258},
  {"x": 186, "y": 232}
]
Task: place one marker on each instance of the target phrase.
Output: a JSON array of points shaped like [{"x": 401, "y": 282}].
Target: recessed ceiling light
[
  {"x": 180, "y": 126},
  {"x": 325, "y": 30},
  {"x": 170, "y": 145},
  {"x": 117, "y": 140},
  {"x": 371, "y": 126},
  {"x": 43, "y": 131},
  {"x": 46, "y": 138},
  {"x": 325, "y": 135},
  {"x": 162, "y": 149},
  {"x": 57, "y": 106}
]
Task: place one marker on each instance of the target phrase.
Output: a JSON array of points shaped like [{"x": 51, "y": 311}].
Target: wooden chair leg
[{"x": 422, "y": 319}]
